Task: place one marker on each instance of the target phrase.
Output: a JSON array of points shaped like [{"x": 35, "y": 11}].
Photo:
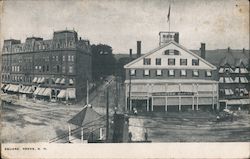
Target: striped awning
[
  {"x": 13, "y": 88},
  {"x": 37, "y": 90},
  {"x": 47, "y": 92},
  {"x": 62, "y": 81},
  {"x": 2, "y": 86},
  {"x": 62, "y": 94},
  {"x": 41, "y": 80},
  {"x": 22, "y": 90},
  {"x": 71, "y": 93},
  {"x": 40, "y": 93},
  {"x": 57, "y": 80},
  {"x": 35, "y": 80},
  {"x": 6, "y": 87}
]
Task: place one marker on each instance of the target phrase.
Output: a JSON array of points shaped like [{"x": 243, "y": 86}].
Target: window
[
  {"x": 208, "y": 73},
  {"x": 146, "y": 61},
  {"x": 158, "y": 72},
  {"x": 171, "y": 72},
  {"x": 70, "y": 69},
  {"x": 40, "y": 67},
  {"x": 195, "y": 73},
  {"x": 63, "y": 69},
  {"x": 158, "y": 61},
  {"x": 57, "y": 58},
  {"x": 183, "y": 72},
  {"x": 146, "y": 72},
  {"x": 195, "y": 62},
  {"x": 132, "y": 72},
  {"x": 183, "y": 61},
  {"x": 171, "y": 61},
  {"x": 171, "y": 52},
  {"x": 47, "y": 68},
  {"x": 63, "y": 58}
]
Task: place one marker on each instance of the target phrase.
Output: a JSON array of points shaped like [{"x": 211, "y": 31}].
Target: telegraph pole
[{"x": 107, "y": 116}]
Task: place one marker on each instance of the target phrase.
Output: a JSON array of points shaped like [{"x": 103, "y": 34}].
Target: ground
[{"x": 40, "y": 121}]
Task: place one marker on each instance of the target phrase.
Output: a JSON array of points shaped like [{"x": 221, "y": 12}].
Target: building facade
[
  {"x": 49, "y": 69},
  {"x": 233, "y": 81},
  {"x": 170, "y": 78}
]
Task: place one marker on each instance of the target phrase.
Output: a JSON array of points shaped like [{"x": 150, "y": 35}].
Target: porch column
[
  {"x": 213, "y": 97},
  {"x": 166, "y": 104},
  {"x": 152, "y": 107},
  {"x": 193, "y": 103},
  {"x": 179, "y": 103},
  {"x": 126, "y": 99},
  {"x": 197, "y": 101},
  {"x": 82, "y": 134}
]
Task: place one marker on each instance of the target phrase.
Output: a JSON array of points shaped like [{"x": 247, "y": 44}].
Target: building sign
[
  {"x": 173, "y": 94},
  {"x": 139, "y": 97}
]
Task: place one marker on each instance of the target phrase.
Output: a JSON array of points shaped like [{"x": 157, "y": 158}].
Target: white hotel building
[{"x": 170, "y": 78}]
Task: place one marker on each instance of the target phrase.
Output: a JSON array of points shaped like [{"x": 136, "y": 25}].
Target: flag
[{"x": 169, "y": 12}]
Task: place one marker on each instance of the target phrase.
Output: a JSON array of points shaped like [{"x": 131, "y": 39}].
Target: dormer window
[
  {"x": 195, "y": 62},
  {"x": 146, "y": 61}
]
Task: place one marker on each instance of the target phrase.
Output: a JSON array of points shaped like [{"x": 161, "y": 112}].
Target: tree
[{"x": 103, "y": 61}]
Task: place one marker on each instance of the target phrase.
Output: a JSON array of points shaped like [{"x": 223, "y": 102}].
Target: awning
[
  {"x": 28, "y": 90},
  {"x": 62, "y": 94},
  {"x": 228, "y": 80},
  {"x": 209, "y": 73},
  {"x": 245, "y": 91},
  {"x": 229, "y": 92},
  {"x": 37, "y": 90},
  {"x": 35, "y": 80},
  {"x": 57, "y": 80},
  {"x": 2, "y": 86},
  {"x": 71, "y": 93},
  {"x": 243, "y": 70},
  {"x": 40, "y": 93},
  {"x": 221, "y": 70},
  {"x": 41, "y": 80},
  {"x": 195, "y": 73},
  {"x": 6, "y": 87},
  {"x": 13, "y": 88},
  {"x": 243, "y": 80},
  {"x": 62, "y": 81},
  {"x": 47, "y": 92},
  {"x": 22, "y": 90},
  {"x": 237, "y": 80},
  {"x": 71, "y": 81},
  {"x": 183, "y": 72},
  {"x": 237, "y": 70},
  {"x": 221, "y": 80}
]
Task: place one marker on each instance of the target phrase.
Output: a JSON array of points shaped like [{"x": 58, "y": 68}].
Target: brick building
[
  {"x": 49, "y": 69},
  {"x": 170, "y": 78}
]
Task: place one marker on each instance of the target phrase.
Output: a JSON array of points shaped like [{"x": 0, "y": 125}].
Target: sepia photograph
[{"x": 124, "y": 79}]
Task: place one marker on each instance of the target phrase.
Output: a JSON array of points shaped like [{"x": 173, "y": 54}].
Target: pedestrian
[
  {"x": 129, "y": 136},
  {"x": 146, "y": 136}
]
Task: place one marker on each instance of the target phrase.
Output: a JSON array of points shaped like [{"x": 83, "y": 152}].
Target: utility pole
[{"x": 107, "y": 116}]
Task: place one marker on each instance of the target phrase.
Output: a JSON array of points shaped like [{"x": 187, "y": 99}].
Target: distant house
[
  {"x": 232, "y": 74},
  {"x": 170, "y": 78}
]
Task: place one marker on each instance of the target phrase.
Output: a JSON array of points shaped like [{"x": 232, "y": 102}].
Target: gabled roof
[
  {"x": 87, "y": 117},
  {"x": 162, "y": 46}
]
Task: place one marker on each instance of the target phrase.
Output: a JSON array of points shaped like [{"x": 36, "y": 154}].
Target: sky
[{"x": 120, "y": 23}]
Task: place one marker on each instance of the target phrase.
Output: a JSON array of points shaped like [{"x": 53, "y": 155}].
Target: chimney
[
  {"x": 176, "y": 37},
  {"x": 203, "y": 50},
  {"x": 138, "y": 49},
  {"x": 243, "y": 50},
  {"x": 130, "y": 54},
  {"x": 228, "y": 49}
]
